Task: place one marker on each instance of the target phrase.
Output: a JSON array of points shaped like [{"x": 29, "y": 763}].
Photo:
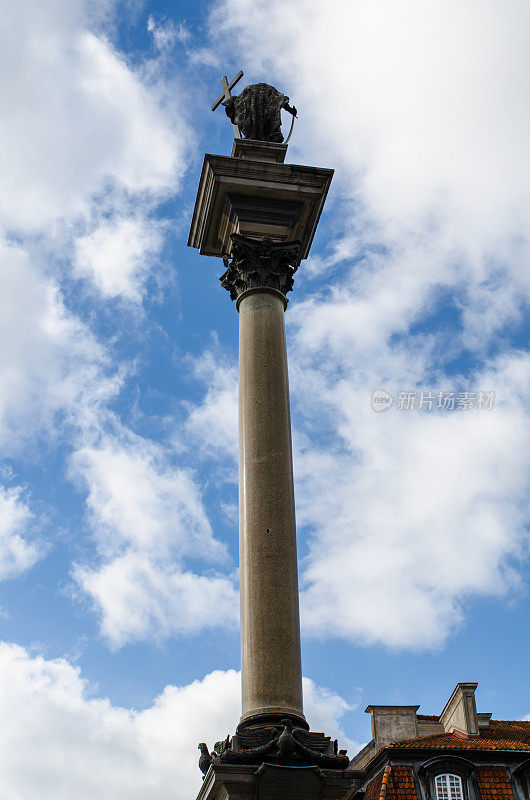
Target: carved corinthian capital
[{"x": 260, "y": 263}]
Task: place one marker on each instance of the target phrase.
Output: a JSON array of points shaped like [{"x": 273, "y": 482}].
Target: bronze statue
[{"x": 257, "y": 112}]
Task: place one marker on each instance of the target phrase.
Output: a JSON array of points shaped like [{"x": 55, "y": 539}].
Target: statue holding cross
[{"x": 256, "y": 112}]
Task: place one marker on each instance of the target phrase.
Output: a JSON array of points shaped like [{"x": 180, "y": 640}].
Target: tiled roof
[
  {"x": 499, "y": 735},
  {"x": 373, "y": 790},
  {"x": 384, "y": 782},
  {"x": 393, "y": 783},
  {"x": 400, "y": 784},
  {"x": 397, "y": 783},
  {"x": 493, "y": 783}
]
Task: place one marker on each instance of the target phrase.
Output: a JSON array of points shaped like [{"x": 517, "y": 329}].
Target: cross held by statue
[{"x": 227, "y": 88}]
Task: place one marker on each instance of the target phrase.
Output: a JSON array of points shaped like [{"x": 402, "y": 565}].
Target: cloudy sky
[{"x": 118, "y": 422}]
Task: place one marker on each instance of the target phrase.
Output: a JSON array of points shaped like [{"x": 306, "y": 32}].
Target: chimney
[
  {"x": 393, "y": 723},
  {"x": 460, "y": 712}
]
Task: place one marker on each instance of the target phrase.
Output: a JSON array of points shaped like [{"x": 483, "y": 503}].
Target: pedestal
[{"x": 273, "y": 782}]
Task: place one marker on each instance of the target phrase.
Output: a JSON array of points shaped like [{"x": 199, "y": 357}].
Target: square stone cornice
[{"x": 256, "y": 199}]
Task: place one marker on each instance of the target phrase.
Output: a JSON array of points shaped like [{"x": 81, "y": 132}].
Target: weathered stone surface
[
  {"x": 259, "y": 151},
  {"x": 264, "y": 182},
  {"x": 460, "y": 712},
  {"x": 296, "y": 783},
  {"x": 260, "y": 263},
  {"x": 237, "y": 782},
  {"x": 390, "y": 723},
  {"x": 270, "y": 626}
]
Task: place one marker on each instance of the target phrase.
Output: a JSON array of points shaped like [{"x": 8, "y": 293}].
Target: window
[
  {"x": 448, "y": 787},
  {"x": 448, "y": 778}
]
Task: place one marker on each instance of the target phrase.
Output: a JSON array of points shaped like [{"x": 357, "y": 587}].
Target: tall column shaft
[{"x": 270, "y": 626}]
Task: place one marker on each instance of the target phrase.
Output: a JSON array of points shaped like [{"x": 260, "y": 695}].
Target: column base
[
  {"x": 273, "y": 716},
  {"x": 274, "y": 782}
]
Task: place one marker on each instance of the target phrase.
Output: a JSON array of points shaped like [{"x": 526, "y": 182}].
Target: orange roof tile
[
  {"x": 494, "y": 783},
  {"x": 400, "y": 784},
  {"x": 373, "y": 790},
  {"x": 499, "y": 735},
  {"x": 384, "y": 782},
  {"x": 392, "y": 783}
]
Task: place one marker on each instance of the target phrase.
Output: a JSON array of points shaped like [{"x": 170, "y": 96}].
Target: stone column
[
  {"x": 270, "y": 626},
  {"x": 258, "y": 277}
]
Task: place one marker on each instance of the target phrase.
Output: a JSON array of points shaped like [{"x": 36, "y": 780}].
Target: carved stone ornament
[
  {"x": 259, "y": 263},
  {"x": 280, "y": 744}
]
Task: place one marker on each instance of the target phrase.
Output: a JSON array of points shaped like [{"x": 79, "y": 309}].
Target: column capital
[{"x": 259, "y": 263}]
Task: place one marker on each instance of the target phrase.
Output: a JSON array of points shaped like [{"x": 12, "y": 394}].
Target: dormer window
[
  {"x": 522, "y": 778},
  {"x": 448, "y": 787}
]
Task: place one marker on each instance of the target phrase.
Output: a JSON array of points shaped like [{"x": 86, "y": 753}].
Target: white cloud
[
  {"x": 17, "y": 552},
  {"x": 83, "y": 133},
  {"x": 212, "y": 423},
  {"x": 324, "y": 709},
  {"x": 147, "y": 150},
  {"x": 148, "y": 517},
  {"x": 406, "y": 514},
  {"x": 88, "y": 146},
  {"x": 74, "y": 118},
  {"x": 165, "y": 33},
  {"x": 136, "y": 498},
  {"x": 141, "y": 598},
  {"x": 410, "y": 513},
  {"x": 431, "y": 514},
  {"x": 51, "y": 367},
  {"x": 420, "y": 108},
  {"x": 419, "y": 105},
  {"x": 117, "y": 255},
  {"x": 77, "y": 123},
  {"x": 53, "y": 722}
]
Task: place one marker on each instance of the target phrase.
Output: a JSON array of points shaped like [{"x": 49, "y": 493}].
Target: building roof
[
  {"x": 498, "y": 735},
  {"x": 490, "y": 748},
  {"x": 494, "y": 783},
  {"x": 396, "y": 782}
]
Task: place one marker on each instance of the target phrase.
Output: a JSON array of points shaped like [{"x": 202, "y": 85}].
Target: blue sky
[{"x": 118, "y": 416}]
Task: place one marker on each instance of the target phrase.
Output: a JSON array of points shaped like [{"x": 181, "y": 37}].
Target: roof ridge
[
  {"x": 509, "y": 736},
  {"x": 384, "y": 782}
]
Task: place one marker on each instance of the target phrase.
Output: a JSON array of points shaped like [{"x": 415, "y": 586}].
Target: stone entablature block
[{"x": 256, "y": 198}]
